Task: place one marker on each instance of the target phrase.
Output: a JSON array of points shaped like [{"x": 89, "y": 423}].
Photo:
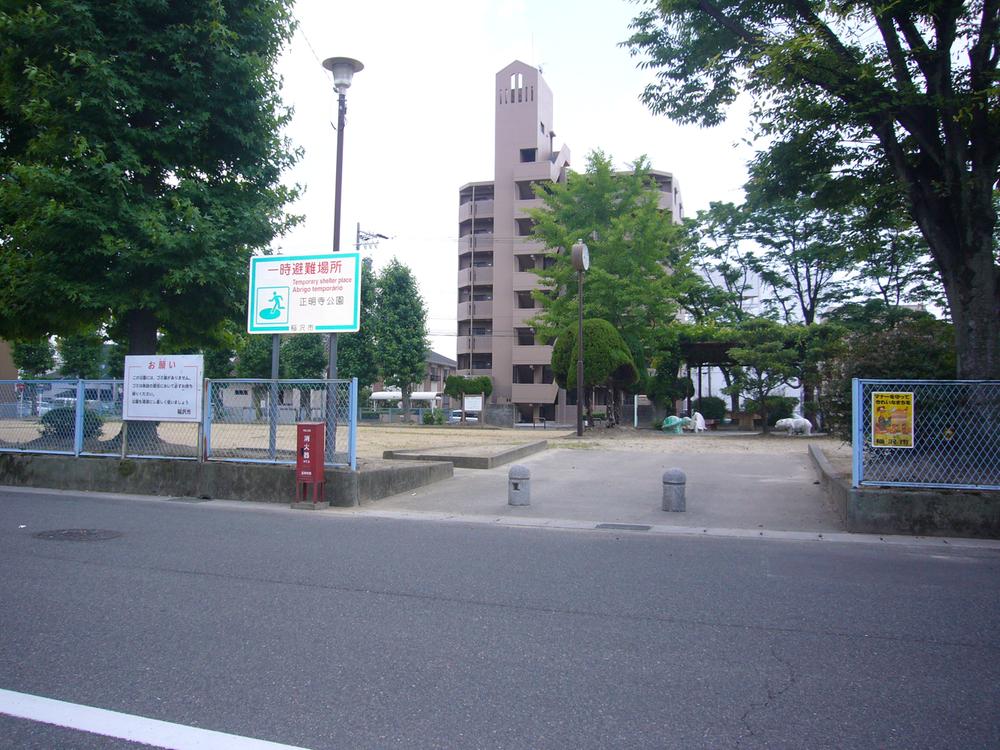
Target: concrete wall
[
  {"x": 921, "y": 512},
  {"x": 217, "y": 480}
]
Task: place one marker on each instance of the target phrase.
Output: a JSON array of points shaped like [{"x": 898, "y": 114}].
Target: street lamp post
[
  {"x": 343, "y": 69},
  {"x": 581, "y": 262}
]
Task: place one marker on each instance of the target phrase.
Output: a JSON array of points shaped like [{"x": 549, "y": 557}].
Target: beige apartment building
[{"x": 496, "y": 252}]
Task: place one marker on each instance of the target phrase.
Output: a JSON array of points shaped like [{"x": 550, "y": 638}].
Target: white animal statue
[
  {"x": 697, "y": 422},
  {"x": 794, "y": 425}
]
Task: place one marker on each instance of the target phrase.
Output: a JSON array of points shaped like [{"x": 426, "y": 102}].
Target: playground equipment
[{"x": 674, "y": 425}]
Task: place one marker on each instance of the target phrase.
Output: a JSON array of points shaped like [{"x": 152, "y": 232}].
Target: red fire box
[{"x": 309, "y": 451}]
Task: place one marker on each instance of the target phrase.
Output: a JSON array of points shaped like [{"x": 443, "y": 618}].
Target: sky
[{"x": 420, "y": 121}]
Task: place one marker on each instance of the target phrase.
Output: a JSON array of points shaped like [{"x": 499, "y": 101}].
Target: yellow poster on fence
[{"x": 892, "y": 419}]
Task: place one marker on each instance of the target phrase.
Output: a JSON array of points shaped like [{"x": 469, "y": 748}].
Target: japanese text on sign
[
  {"x": 892, "y": 419},
  {"x": 304, "y": 294},
  {"x": 163, "y": 388}
]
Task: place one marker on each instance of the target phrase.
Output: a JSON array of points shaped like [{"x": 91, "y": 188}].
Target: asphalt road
[{"x": 324, "y": 630}]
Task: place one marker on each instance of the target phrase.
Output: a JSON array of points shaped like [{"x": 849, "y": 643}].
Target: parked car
[{"x": 455, "y": 417}]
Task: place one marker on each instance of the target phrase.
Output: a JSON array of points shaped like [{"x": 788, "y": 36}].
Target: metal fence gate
[
  {"x": 926, "y": 433},
  {"x": 243, "y": 420}
]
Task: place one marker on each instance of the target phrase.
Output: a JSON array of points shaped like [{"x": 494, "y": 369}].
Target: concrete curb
[
  {"x": 212, "y": 479},
  {"x": 469, "y": 461},
  {"x": 897, "y": 510}
]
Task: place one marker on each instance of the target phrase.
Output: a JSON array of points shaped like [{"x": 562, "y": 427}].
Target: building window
[
  {"x": 525, "y": 301},
  {"x": 525, "y": 337},
  {"x": 523, "y": 374},
  {"x": 529, "y": 155}
]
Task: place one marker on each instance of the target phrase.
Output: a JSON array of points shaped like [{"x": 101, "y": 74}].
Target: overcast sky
[{"x": 420, "y": 120}]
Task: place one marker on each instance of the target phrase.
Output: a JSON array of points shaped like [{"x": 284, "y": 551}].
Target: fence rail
[
  {"x": 243, "y": 420},
  {"x": 926, "y": 433}
]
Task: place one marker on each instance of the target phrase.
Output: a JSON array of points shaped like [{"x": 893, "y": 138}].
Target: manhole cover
[
  {"x": 624, "y": 526},
  {"x": 78, "y": 535}
]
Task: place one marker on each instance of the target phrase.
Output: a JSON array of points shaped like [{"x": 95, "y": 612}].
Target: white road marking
[{"x": 126, "y": 726}]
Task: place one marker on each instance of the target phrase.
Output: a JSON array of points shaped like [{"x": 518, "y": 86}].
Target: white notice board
[{"x": 163, "y": 388}]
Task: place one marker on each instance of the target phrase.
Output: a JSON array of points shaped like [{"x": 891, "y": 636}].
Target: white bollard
[
  {"x": 518, "y": 485},
  {"x": 674, "y": 482}
]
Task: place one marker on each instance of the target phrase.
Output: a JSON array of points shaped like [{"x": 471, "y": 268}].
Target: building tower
[{"x": 496, "y": 252}]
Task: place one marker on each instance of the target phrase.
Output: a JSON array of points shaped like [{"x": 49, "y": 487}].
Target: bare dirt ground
[{"x": 373, "y": 440}]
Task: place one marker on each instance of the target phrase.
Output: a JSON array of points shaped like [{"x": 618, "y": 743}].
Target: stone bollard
[
  {"x": 674, "y": 481},
  {"x": 518, "y": 485}
]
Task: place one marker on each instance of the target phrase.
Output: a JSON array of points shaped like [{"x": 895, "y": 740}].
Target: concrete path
[{"x": 724, "y": 490}]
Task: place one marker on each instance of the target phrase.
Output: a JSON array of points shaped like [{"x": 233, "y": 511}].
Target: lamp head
[{"x": 343, "y": 69}]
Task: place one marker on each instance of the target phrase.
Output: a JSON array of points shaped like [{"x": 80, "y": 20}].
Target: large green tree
[
  {"x": 401, "y": 330},
  {"x": 639, "y": 264},
  {"x": 33, "y": 358},
  {"x": 140, "y": 163},
  {"x": 356, "y": 351},
  {"x": 906, "y": 88},
  {"x": 82, "y": 355},
  {"x": 768, "y": 357}
]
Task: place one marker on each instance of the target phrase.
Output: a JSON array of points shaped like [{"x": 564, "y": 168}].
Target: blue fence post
[
  {"x": 352, "y": 435},
  {"x": 857, "y": 428},
  {"x": 206, "y": 421},
  {"x": 81, "y": 402}
]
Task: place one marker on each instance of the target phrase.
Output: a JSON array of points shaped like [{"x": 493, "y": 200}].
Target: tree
[
  {"x": 457, "y": 386},
  {"x": 356, "y": 351},
  {"x": 802, "y": 253},
  {"x": 884, "y": 343},
  {"x": 401, "y": 330},
  {"x": 82, "y": 355},
  {"x": 303, "y": 356},
  {"x": 767, "y": 360},
  {"x": 33, "y": 358},
  {"x": 726, "y": 264},
  {"x": 908, "y": 88},
  {"x": 638, "y": 258},
  {"x": 607, "y": 361},
  {"x": 140, "y": 164}
]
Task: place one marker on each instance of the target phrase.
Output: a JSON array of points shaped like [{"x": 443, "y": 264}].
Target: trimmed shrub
[
  {"x": 61, "y": 422},
  {"x": 710, "y": 407},
  {"x": 778, "y": 407}
]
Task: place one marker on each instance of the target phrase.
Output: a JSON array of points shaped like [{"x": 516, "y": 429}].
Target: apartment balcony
[
  {"x": 532, "y": 355},
  {"x": 484, "y": 210},
  {"x": 521, "y": 317},
  {"x": 475, "y": 345},
  {"x": 479, "y": 372},
  {"x": 478, "y": 310},
  {"x": 475, "y": 275},
  {"x": 528, "y": 246},
  {"x": 521, "y": 207},
  {"x": 525, "y": 281},
  {"x": 534, "y": 393},
  {"x": 484, "y": 242},
  {"x": 535, "y": 170}
]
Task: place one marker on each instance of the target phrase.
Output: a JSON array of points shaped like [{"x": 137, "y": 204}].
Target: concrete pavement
[{"x": 724, "y": 490}]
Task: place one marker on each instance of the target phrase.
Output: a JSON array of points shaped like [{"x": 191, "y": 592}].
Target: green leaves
[
  {"x": 639, "y": 264},
  {"x": 140, "y": 160},
  {"x": 400, "y": 329}
]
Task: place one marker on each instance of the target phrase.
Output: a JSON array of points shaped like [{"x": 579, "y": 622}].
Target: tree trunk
[
  {"x": 956, "y": 215},
  {"x": 973, "y": 287},
  {"x": 406, "y": 404},
  {"x": 141, "y": 326}
]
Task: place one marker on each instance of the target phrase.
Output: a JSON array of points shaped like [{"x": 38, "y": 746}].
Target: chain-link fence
[
  {"x": 244, "y": 420},
  {"x": 254, "y": 420},
  {"x": 927, "y": 433}
]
